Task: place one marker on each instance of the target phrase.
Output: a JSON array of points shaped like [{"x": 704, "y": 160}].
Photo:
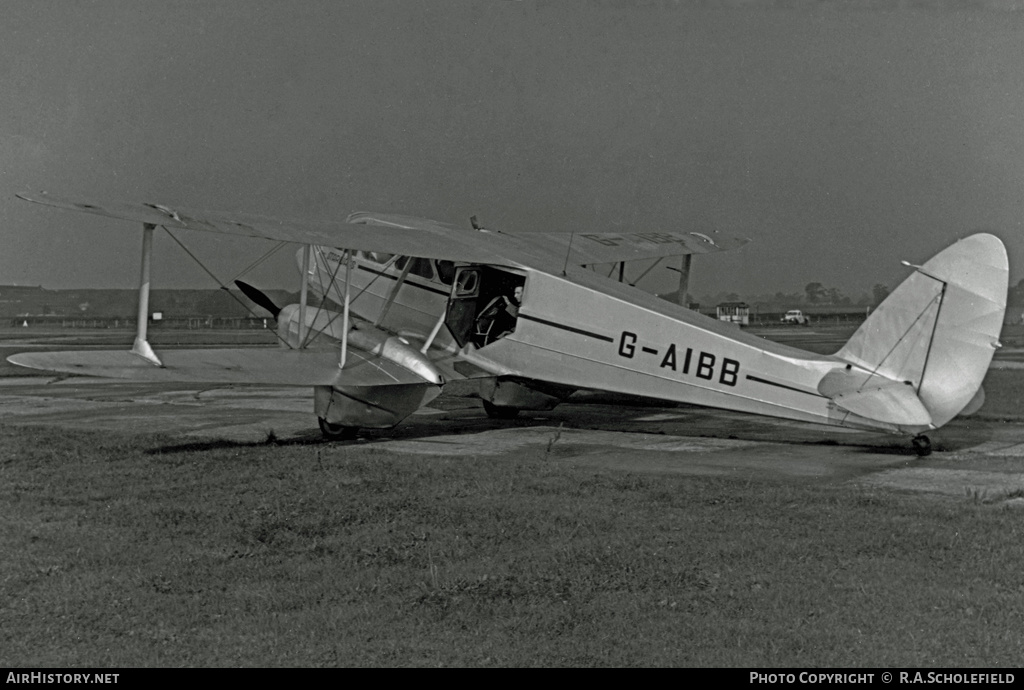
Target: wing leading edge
[
  {"x": 594, "y": 248},
  {"x": 407, "y": 236},
  {"x": 431, "y": 241}
]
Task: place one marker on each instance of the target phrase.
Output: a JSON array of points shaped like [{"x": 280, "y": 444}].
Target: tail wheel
[
  {"x": 922, "y": 445},
  {"x": 337, "y": 432},
  {"x": 500, "y": 412}
]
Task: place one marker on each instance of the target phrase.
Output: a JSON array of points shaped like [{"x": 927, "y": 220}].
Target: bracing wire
[
  {"x": 310, "y": 336},
  {"x": 217, "y": 280},
  {"x": 257, "y": 262},
  {"x": 390, "y": 262}
]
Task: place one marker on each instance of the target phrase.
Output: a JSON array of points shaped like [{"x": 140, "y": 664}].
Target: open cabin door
[
  {"x": 484, "y": 304},
  {"x": 462, "y": 304}
]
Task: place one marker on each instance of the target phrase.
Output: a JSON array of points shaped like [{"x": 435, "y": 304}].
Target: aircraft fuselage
[{"x": 582, "y": 330}]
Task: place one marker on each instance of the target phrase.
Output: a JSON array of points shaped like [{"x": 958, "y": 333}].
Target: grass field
[
  {"x": 138, "y": 551},
  {"x": 129, "y": 551}
]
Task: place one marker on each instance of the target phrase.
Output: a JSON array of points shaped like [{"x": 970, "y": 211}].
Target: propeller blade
[{"x": 258, "y": 297}]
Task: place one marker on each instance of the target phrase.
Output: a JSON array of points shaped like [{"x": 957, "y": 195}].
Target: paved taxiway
[{"x": 980, "y": 456}]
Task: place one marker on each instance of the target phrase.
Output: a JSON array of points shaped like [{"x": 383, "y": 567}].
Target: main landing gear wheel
[
  {"x": 922, "y": 445},
  {"x": 337, "y": 432},
  {"x": 498, "y": 412}
]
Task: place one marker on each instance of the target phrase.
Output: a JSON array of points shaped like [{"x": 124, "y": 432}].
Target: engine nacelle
[{"x": 370, "y": 407}]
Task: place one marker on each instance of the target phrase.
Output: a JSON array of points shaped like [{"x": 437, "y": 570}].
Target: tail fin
[{"x": 938, "y": 330}]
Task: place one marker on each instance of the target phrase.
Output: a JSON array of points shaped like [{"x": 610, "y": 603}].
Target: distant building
[
  {"x": 734, "y": 312},
  {"x": 21, "y": 301}
]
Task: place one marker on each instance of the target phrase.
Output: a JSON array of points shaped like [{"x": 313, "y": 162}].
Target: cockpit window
[
  {"x": 469, "y": 284},
  {"x": 445, "y": 271},
  {"x": 423, "y": 268},
  {"x": 374, "y": 257}
]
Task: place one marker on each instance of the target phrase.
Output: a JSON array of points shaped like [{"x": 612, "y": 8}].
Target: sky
[{"x": 841, "y": 137}]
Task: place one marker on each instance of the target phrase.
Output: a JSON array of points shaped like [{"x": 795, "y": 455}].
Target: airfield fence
[
  {"x": 171, "y": 323},
  {"x": 760, "y": 319},
  {"x": 839, "y": 317}
]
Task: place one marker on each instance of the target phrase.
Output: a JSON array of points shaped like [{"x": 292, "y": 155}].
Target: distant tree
[
  {"x": 815, "y": 292},
  {"x": 878, "y": 293},
  {"x": 1016, "y": 296},
  {"x": 214, "y": 303},
  {"x": 781, "y": 299},
  {"x": 835, "y": 296}
]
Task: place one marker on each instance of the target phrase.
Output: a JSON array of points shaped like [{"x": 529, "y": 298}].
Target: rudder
[{"x": 939, "y": 329}]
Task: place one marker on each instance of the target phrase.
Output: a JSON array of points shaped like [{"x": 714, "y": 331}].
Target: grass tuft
[
  {"x": 552, "y": 441},
  {"x": 984, "y": 496}
]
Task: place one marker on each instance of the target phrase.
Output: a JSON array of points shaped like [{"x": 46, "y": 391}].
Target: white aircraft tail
[{"x": 933, "y": 337}]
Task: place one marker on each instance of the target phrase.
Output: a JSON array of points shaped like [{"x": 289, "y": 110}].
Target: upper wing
[
  {"x": 408, "y": 236},
  {"x": 589, "y": 248},
  {"x": 429, "y": 240}
]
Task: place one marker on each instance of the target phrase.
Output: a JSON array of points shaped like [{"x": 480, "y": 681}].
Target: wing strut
[
  {"x": 437, "y": 329},
  {"x": 684, "y": 279},
  {"x": 344, "y": 313},
  {"x": 307, "y": 249},
  {"x": 141, "y": 346},
  {"x": 394, "y": 293}
]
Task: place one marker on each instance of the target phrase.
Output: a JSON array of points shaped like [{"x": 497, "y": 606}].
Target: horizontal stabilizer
[
  {"x": 874, "y": 397},
  {"x": 850, "y": 380},
  {"x": 896, "y": 404},
  {"x": 228, "y": 365}
]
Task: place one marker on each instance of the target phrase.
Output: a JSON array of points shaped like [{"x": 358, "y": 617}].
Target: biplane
[{"x": 406, "y": 304}]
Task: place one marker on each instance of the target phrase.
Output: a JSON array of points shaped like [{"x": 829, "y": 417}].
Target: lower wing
[{"x": 229, "y": 365}]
